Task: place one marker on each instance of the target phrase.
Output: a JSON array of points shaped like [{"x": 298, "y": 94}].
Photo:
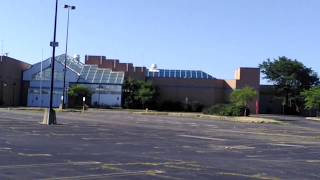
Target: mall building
[
  {"x": 105, "y": 78},
  {"x": 185, "y": 85}
]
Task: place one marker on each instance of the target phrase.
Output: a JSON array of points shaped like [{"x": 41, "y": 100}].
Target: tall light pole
[
  {"x": 68, "y": 7},
  {"x": 50, "y": 115},
  {"x": 13, "y": 91},
  {"x": 1, "y": 50}
]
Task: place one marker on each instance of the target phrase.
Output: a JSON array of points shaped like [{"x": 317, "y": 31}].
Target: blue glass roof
[
  {"x": 93, "y": 74},
  {"x": 179, "y": 74},
  {"x": 86, "y": 73}
]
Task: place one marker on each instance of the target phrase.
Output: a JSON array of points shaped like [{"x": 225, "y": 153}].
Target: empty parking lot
[{"x": 122, "y": 145}]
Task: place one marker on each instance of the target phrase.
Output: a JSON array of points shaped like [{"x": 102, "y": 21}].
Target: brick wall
[
  {"x": 11, "y": 81},
  {"x": 114, "y": 64}
]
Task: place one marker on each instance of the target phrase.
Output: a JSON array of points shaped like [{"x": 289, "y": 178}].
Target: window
[
  {"x": 199, "y": 75},
  {"x": 188, "y": 74},
  {"x": 193, "y": 74},
  {"x": 166, "y": 73},
  {"x": 172, "y": 73},
  {"x": 161, "y": 73}
]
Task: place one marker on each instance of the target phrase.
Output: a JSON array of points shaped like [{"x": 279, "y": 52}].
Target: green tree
[
  {"x": 130, "y": 89},
  {"x": 290, "y": 77},
  {"x": 138, "y": 94},
  {"x": 77, "y": 92},
  {"x": 312, "y": 99},
  {"x": 146, "y": 93},
  {"x": 241, "y": 97}
]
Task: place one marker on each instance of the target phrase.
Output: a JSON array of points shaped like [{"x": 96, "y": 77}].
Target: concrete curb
[
  {"x": 241, "y": 119},
  {"x": 313, "y": 118},
  {"x": 213, "y": 117},
  {"x": 39, "y": 109}
]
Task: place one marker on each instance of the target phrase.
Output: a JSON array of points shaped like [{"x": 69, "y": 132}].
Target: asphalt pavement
[{"x": 122, "y": 145}]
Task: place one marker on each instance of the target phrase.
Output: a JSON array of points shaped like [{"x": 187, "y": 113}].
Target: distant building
[
  {"x": 186, "y": 86},
  {"x": 22, "y": 84},
  {"x": 105, "y": 84},
  {"x": 11, "y": 81}
]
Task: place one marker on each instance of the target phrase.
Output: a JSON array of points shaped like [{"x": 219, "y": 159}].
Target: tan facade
[{"x": 11, "y": 81}]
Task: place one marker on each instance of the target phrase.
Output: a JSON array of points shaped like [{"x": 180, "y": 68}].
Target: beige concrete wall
[{"x": 231, "y": 84}]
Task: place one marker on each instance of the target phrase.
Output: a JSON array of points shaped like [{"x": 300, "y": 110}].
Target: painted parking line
[
  {"x": 128, "y": 173},
  {"x": 81, "y": 163},
  {"x": 202, "y": 137},
  {"x": 259, "y": 133},
  {"x": 287, "y": 145},
  {"x": 34, "y": 155}
]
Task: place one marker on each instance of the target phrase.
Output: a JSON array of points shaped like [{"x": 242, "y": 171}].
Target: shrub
[
  {"x": 171, "y": 106},
  {"x": 194, "y": 107},
  {"x": 226, "y": 110},
  {"x": 179, "y": 106},
  {"x": 76, "y": 93},
  {"x": 312, "y": 99},
  {"x": 241, "y": 98}
]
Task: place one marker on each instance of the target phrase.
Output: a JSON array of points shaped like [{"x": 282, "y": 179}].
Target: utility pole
[
  {"x": 69, "y": 7},
  {"x": 1, "y": 50},
  {"x": 41, "y": 79},
  {"x": 50, "y": 114}
]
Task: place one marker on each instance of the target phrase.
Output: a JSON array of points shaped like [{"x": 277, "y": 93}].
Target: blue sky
[{"x": 216, "y": 36}]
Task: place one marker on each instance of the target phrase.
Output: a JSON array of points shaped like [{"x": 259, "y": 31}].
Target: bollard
[
  {"x": 49, "y": 117},
  {"x": 83, "y": 104}
]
